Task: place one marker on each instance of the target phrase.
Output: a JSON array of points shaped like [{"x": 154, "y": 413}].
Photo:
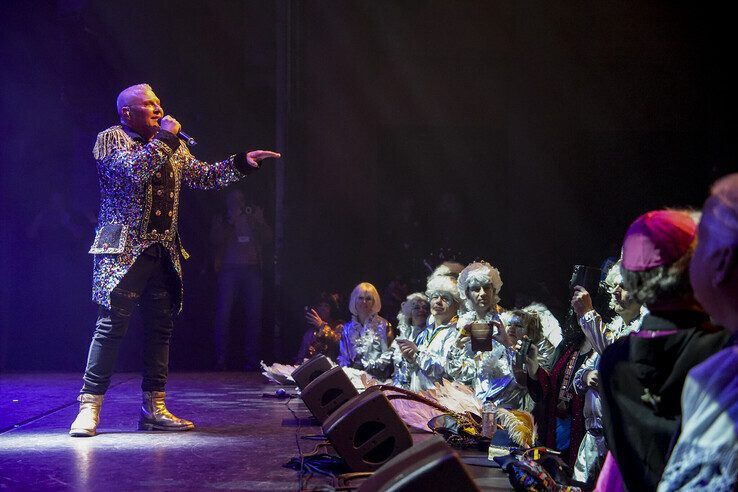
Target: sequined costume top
[
  {"x": 433, "y": 343},
  {"x": 490, "y": 372},
  {"x": 139, "y": 199},
  {"x": 362, "y": 345},
  {"x": 402, "y": 367}
]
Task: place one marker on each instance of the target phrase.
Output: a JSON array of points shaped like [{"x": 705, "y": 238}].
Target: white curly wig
[
  {"x": 614, "y": 277},
  {"x": 406, "y": 308},
  {"x": 444, "y": 284},
  {"x": 483, "y": 273}
]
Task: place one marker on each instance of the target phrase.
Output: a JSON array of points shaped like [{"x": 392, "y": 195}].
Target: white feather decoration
[{"x": 279, "y": 373}]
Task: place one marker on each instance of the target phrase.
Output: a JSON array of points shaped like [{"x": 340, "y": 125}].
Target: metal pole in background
[{"x": 282, "y": 112}]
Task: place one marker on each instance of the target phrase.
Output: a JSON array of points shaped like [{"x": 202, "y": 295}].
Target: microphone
[
  {"x": 190, "y": 141},
  {"x": 183, "y": 136}
]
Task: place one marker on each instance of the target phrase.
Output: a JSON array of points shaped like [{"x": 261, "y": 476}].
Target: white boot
[{"x": 85, "y": 425}]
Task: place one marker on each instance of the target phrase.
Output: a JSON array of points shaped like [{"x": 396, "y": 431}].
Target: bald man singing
[{"x": 141, "y": 165}]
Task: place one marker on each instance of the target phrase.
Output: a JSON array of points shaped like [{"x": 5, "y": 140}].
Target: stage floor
[{"x": 241, "y": 441}]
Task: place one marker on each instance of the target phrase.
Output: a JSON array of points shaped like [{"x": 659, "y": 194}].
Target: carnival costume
[
  {"x": 433, "y": 343},
  {"x": 364, "y": 346},
  {"x": 706, "y": 455},
  {"x": 401, "y": 374},
  {"x": 593, "y": 448},
  {"x": 489, "y": 372},
  {"x": 139, "y": 199},
  {"x": 137, "y": 260}
]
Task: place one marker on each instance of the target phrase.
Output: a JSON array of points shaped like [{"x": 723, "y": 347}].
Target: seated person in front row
[
  {"x": 411, "y": 320},
  {"x": 367, "y": 336},
  {"x": 426, "y": 356},
  {"x": 488, "y": 372},
  {"x": 325, "y": 329}
]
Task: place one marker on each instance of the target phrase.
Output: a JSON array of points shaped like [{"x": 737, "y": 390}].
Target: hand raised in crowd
[
  {"x": 408, "y": 349},
  {"x": 581, "y": 302},
  {"x": 462, "y": 341},
  {"x": 592, "y": 379},
  {"x": 256, "y": 156},
  {"x": 314, "y": 319},
  {"x": 502, "y": 335},
  {"x": 170, "y": 124}
]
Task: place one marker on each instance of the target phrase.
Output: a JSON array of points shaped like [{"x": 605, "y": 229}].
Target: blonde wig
[{"x": 362, "y": 288}]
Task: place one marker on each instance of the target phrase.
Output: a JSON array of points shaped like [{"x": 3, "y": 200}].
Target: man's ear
[
  {"x": 125, "y": 112},
  {"x": 725, "y": 261}
]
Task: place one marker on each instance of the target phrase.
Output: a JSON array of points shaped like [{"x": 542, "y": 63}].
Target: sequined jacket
[{"x": 139, "y": 199}]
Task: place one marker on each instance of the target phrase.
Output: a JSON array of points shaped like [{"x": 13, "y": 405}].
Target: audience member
[
  {"x": 558, "y": 409},
  {"x": 706, "y": 455},
  {"x": 489, "y": 372},
  {"x": 629, "y": 313},
  {"x": 411, "y": 320},
  {"x": 642, "y": 375},
  {"x": 426, "y": 355},
  {"x": 325, "y": 328},
  {"x": 239, "y": 238},
  {"x": 367, "y": 336}
]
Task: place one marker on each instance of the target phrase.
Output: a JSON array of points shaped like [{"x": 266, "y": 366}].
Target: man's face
[
  {"x": 142, "y": 113},
  {"x": 480, "y": 294},
  {"x": 620, "y": 300},
  {"x": 443, "y": 307},
  {"x": 419, "y": 309}
]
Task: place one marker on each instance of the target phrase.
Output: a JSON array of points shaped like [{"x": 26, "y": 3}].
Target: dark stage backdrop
[{"x": 528, "y": 135}]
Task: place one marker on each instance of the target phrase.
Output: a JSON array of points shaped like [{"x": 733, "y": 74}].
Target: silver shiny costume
[
  {"x": 402, "y": 373},
  {"x": 127, "y": 168},
  {"x": 490, "y": 372},
  {"x": 593, "y": 448},
  {"x": 429, "y": 367},
  {"x": 706, "y": 455},
  {"x": 364, "y": 346}
]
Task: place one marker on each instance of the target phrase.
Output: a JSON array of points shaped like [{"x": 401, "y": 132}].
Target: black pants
[{"x": 151, "y": 283}]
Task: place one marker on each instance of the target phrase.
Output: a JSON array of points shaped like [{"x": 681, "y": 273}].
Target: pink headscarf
[{"x": 657, "y": 238}]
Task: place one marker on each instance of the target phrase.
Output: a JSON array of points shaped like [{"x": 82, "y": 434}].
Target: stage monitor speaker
[
  {"x": 327, "y": 392},
  {"x": 429, "y": 466},
  {"x": 367, "y": 431},
  {"x": 311, "y": 369}
]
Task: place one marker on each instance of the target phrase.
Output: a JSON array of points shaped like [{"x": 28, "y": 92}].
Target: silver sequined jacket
[{"x": 127, "y": 166}]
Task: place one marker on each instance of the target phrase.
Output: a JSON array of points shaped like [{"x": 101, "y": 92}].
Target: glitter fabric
[{"x": 126, "y": 168}]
